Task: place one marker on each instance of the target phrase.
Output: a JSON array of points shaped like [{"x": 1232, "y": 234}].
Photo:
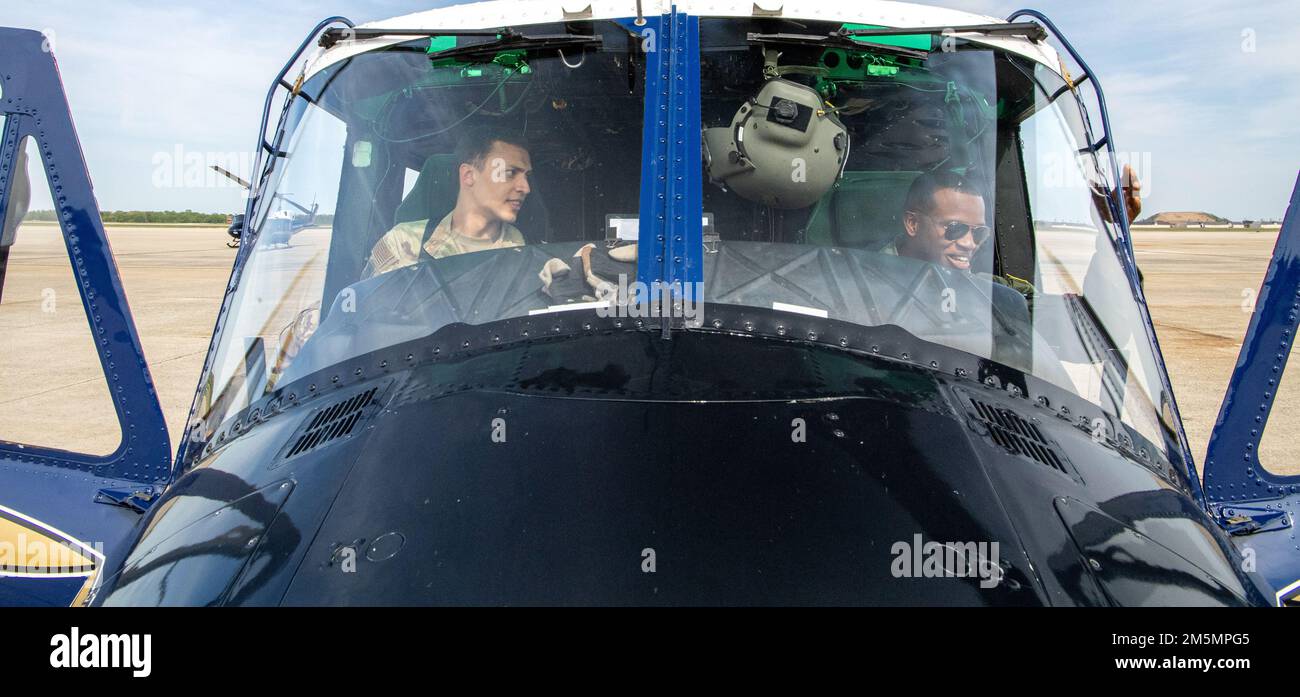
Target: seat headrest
[
  {"x": 867, "y": 208},
  {"x": 435, "y": 190}
]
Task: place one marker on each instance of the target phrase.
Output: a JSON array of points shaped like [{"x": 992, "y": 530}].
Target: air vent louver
[
  {"x": 332, "y": 423},
  {"x": 1019, "y": 436}
]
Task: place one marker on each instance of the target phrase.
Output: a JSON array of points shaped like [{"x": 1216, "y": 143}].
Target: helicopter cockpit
[{"x": 923, "y": 181}]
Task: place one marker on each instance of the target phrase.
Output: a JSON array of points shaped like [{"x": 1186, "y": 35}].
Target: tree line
[
  {"x": 174, "y": 217},
  {"x": 168, "y": 217}
]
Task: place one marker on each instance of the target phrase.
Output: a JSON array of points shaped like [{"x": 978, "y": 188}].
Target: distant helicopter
[
  {"x": 285, "y": 225},
  {"x": 636, "y": 303}
]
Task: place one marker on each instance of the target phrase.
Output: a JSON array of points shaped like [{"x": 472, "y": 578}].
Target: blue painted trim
[
  {"x": 8, "y": 158},
  {"x": 36, "y": 105},
  {"x": 1233, "y": 471},
  {"x": 684, "y": 249},
  {"x": 1119, "y": 215},
  {"x": 1236, "y": 481},
  {"x": 651, "y": 247},
  {"x": 671, "y": 245}
]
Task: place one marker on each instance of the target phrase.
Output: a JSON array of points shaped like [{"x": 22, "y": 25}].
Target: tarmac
[{"x": 1200, "y": 286}]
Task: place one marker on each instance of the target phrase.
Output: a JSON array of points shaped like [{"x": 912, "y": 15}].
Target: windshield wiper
[
  {"x": 505, "y": 39},
  {"x": 1029, "y": 30},
  {"x": 332, "y": 36},
  {"x": 512, "y": 40},
  {"x": 850, "y": 38},
  {"x": 836, "y": 40}
]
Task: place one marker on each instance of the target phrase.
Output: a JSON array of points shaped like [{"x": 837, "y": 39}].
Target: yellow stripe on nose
[{"x": 26, "y": 550}]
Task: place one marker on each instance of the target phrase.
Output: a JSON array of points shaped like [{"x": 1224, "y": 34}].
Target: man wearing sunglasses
[{"x": 944, "y": 221}]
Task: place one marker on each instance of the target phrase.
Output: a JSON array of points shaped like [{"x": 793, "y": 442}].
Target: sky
[{"x": 1202, "y": 95}]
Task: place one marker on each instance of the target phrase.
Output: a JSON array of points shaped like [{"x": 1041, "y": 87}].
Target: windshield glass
[
  {"x": 491, "y": 163},
  {"x": 936, "y": 185},
  {"x": 930, "y": 184}
]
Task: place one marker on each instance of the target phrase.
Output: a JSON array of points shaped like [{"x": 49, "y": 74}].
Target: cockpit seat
[
  {"x": 435, "y": 191},
  {"x": 863, "y": 211}
]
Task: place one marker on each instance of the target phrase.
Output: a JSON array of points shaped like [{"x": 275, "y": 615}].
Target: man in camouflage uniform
[{"x": 493, "y": 176}]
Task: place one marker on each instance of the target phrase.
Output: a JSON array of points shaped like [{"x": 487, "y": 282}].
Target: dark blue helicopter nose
[
  {"x": 582, "y": 492},
  {"x": 593, "y": 471}
]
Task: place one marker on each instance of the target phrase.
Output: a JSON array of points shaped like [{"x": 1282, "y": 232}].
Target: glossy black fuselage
[{"x": 610, "y": 464}]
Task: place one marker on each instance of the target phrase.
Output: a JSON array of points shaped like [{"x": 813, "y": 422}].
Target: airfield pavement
[{"x": 1199, "y": 285}]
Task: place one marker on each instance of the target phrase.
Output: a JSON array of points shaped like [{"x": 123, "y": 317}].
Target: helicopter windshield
[
  {"x": 531, "y": 145},
  {"x": 965, "y": 206},
  {"x": 942, "y": 191}
]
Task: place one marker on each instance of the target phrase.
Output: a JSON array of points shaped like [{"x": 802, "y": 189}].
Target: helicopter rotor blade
[{"x": 231, "y": 176}]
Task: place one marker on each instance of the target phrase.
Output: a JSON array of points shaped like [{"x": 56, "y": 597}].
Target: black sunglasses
[{"x": 954, "y": 230}]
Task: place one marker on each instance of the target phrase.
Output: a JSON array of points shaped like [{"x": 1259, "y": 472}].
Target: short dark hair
[
  {"x": 920, "y": 197},
  {"x": 475, "y": 143}
]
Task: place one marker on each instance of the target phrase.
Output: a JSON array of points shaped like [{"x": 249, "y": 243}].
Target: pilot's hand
[
  {"x": 1132, "y": 190},
  {"x": 292, "y": 338}
]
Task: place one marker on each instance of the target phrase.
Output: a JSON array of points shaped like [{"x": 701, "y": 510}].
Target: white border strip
[
  {"x": 800, "y": 309},
  {"x": 1286, "y": 591},
  {"x": 594, "y": 305},
  {"x": 59, "y": 533}
]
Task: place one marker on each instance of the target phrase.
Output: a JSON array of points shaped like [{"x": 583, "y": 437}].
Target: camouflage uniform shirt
[{"x": 401, "y": 246}]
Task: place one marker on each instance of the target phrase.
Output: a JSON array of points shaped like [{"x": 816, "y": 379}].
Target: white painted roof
[{"x": 518, "y": 13}]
